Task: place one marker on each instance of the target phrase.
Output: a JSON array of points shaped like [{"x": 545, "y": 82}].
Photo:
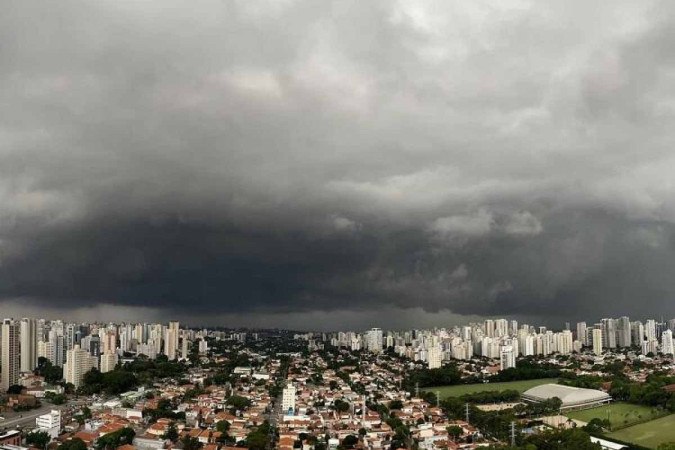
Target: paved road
[{"x": 27, "y": 418}]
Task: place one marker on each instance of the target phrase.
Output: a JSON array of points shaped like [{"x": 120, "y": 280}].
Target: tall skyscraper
[
  {"x": 11, "y": 360},
  {"x": 28, "y": 344}
]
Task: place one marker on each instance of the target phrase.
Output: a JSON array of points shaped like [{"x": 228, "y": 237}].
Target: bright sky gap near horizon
[{"x": 340, "y": 164}]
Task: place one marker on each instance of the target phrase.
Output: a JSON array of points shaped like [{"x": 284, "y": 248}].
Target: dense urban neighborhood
[{"x": 493, "y": 384}]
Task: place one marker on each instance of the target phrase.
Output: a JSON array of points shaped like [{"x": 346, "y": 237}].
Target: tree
[
  {"x": 113, "y": 440},
  {"x": 15, "y": 389},
  {"x": 191, "y": 443},
  {"x": 86, "y": 412},
  {"x": 341, "y": 405},
  {"x": 223, "y": 426},
  {"x": 455, "y": 431},
  {"x": 238, "y": 402},
  {"x": 38, "y": 439},
  {"x": 395, "y": 404},
  {"x": 73, "y": 444},
  {"x": 171, "y": 432},
  {"x": 350, "y": 441}
]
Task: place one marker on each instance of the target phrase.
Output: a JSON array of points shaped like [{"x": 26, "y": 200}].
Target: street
[{"x": 27, "y": 418}]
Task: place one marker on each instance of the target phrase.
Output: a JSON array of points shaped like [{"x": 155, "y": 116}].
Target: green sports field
[
  {"x": 649, "y": 434},
  {"x": 461, "y": 389},
  {"x": 620, "y": 414}
]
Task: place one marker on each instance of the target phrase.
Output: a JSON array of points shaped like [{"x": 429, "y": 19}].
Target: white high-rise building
[
  {"x": 581, "y": 333},
  {"x": 50, "y": 423},
  {"x": 434, "y": 356},
  {"x": 609, "y": 333},
  {"x": 203, "y": 346},
  {"x": 489, "y": 327},
  {"x": 623, "y": 332},
  {"x": 667, "y": 342},
  {"x": 46, "y": 350},
  {"x": 288, "y": 399},
  {"x": 171, "y": 337},
  {"x": 28, "y": 344},
  {"x": 501, "y": 327},
  {"x": 11, "y": 360},
  {"x": 597, "y": 341},
  {"x": 507, "y": 357},
  {"x": 78, "y": 362},
  {"x": 108, "y": 362},
  {"x": 565, "y": 342},
  {"x": 374, "y": 340},
  {"x": 650, "y": 330}
]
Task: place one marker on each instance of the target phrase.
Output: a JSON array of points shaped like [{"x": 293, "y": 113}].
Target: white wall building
[
  {"x": 50, "y": 423},
  {"x": 288, "y": 400}
]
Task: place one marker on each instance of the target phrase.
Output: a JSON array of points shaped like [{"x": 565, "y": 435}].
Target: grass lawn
[
  {"x": 620, "y": 414},
  {"x": 648, "y": 434},
  {"x": 461, "y": 389}
]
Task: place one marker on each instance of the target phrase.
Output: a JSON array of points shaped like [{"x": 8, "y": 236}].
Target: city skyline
[{"x": 341, "y": 164}]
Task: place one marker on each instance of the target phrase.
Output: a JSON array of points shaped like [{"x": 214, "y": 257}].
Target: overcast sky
[{"x": 318, "y": 164}]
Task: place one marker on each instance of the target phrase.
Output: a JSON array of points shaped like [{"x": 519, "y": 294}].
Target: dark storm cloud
[{"x": 299, "y": 157}]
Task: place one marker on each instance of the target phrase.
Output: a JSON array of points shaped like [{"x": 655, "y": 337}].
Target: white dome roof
[{"x": 570, "y": 396}]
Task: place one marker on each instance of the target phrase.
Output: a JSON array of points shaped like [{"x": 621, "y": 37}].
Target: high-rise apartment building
[
  {"x": 374, "y": 340},
  {"x": 507, "y": 357},
  {"x": 28, "y": 344},
  {"x": 581, "y": 333},
  {"x": 608, "y": 333},
  {"x": 288, "y": 399},
  {"x": 78, "y": 362},
  {"x": 434, "y": 356},
  {"x": 10, "y": 356},
  {"x": 171, "y": 337},
  {"x": 108, "y": 362},
  {"x": 597, "y": 341},
  {"x": 667, "y": 342},
  {"x": 623, "y": 332}
]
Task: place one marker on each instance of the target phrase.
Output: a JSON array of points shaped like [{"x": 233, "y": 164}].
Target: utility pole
[
  {"x": 513, "y": 434},
  {"x": 438, "y": 398},
  {"x": 417, "y": 390},
  {"x": 467, "y": 412}
]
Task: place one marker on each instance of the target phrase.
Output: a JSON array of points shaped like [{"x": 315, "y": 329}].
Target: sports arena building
[{"x": 572, "y": 397}]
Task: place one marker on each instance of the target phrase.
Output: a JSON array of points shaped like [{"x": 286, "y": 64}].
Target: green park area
[
  {"x": 460, "y": 389},
  {"x": 620, "y": 414},
  {"x": 649, "y": 434}
]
